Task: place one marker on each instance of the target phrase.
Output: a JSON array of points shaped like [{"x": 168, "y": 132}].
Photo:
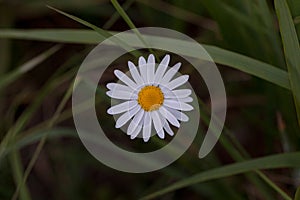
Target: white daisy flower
[{"x": 150, "y": 98}]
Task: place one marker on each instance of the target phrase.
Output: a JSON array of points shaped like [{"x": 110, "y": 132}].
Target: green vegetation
[{"x": 256, "y": 46}]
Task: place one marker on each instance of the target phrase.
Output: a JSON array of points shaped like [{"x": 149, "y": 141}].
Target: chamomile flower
[{"x": 150, "y": 98}]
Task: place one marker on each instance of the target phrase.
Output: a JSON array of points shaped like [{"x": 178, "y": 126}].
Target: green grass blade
[
  {"x": 116, "y": 15},
  {"x": 291, "y": 49},
  {"x": 75, "y": 36},
  {"x": 297, "y": 195},
  {"x": 31, "y": 139},
  {"x": 105, "y": 34},
  {"x": 297, "y": 20},
  {"x": 14, "y": 75},
  {"x": 101, "y": 32},
  {"x": 238, "y": 154},
  {"x": 242, "y": 17},
  {"x": 17, "y": 170},
  {"x": 182, "y": 14},
  {"x": 124, "y": 15},
  {"x": 6, "y": 20},
  {"x": 294, "y": 7},
  {"x": 27, "y": 114},
  {"x": 284, "y": 195},
  {"x": 265, "y": 13},
  {"x": 42, "y": 142},
  {"x": 268, "y": 162},
  {"x": 249, "y": 65},
  {"x": 221, "y": 56}
]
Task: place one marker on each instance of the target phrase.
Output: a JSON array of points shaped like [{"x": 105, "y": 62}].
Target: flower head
[{"x": 150, "y": 97}]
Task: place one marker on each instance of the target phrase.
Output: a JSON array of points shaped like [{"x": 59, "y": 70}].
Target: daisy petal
[
  {"x": 166, "y": 125},
  {"x": 142, "y": 61},
  {"x": 117, "y": 86},
  {"x": 135, "y": 74},
  {"x": 150, "y": 68},
  {"x": 179, "y": 115},
  {"x": 161, "y": 69},
  {"x": 178, "y": 105},
  {"x": 178, "y": 94},
  {"x": 168, "y": 128},
  {"x": 125, "y": 79},
  {"x": 169, "y": 116},
  {"x": 147, "y": 127},
  {"x": 143, "y": 68},
  {"x": 136, "y": 132},
  {"x": 168, "y": 94},
  {"x": 122, "y": 107},
  {"x": 127, "y": 116},
  {"x": 124, "y": 95},
  {"x": 186, "y": 100},
  {"x": 158, "y": 124},
  {"x": 135, "y": 122},
  {"x": 183, "y": 93},
  {"x": 177, "y": 82},
  {"x": 170, "y": 73}
]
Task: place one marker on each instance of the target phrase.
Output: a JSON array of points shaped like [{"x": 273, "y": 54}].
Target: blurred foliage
[{"x": 41, "y": 156}]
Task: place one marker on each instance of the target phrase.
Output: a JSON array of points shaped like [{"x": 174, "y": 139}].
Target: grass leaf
[
  {"x": 17, "y": 169},
  {"x": 6, "y": 79},
  {"x": 116, "y": 15},
  {"x": 221, "y": 56},
  {"x": 131, "y": 25},
  {"x": 30, "y": 139},
  {"x": 249, "y": 65},
  {"x": 291, "y": 49},
  {"x": 22, "y": 182},
  {"x": 268, "y": 162},
  {"x": 101, "y": 32},
  {"x": 105, "y": 34},
  {"x": 297, "y": 195}
]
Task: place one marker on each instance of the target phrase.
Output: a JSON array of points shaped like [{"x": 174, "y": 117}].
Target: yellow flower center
[{"x": 150, "y": 98}]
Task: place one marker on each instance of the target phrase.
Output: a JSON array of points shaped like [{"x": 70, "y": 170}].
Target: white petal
[
  {"x": 136, "y": 132},
  {"x": 170, "y": 73},
  {"x": 168, "y": 128},
  {"x": 147, "y": 127},
  {"x": 135, "y": 122},
  {"x": 161, "y": 69},
  {"x": 124, "y": 95},
  {"x": 143, "y": 68},
  {"x": 122, "y": 107},
  {"x": 166, "y": 125},
  {"x": 158, "y": 124},
  {"x": 117, "y": 86},
  {"x": 175, "y": 104},
  {"x": 139, "y": 128},
  {"x": 177, "y": 82},
  {"x": 169, "y": 116},
  {"x": 150, "y": 68},
  {"x": 142, "y": 61},
  {"x": 186, "y": 100},
  {"x": 135, "y": 74},
  {"x": 183, "y": 93},
  {"x": 168, "y": 94},
  {"x": 123, "y": 119},
  {"x": 179, "y": 115},
  {"x": 125, "y": 79}
]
